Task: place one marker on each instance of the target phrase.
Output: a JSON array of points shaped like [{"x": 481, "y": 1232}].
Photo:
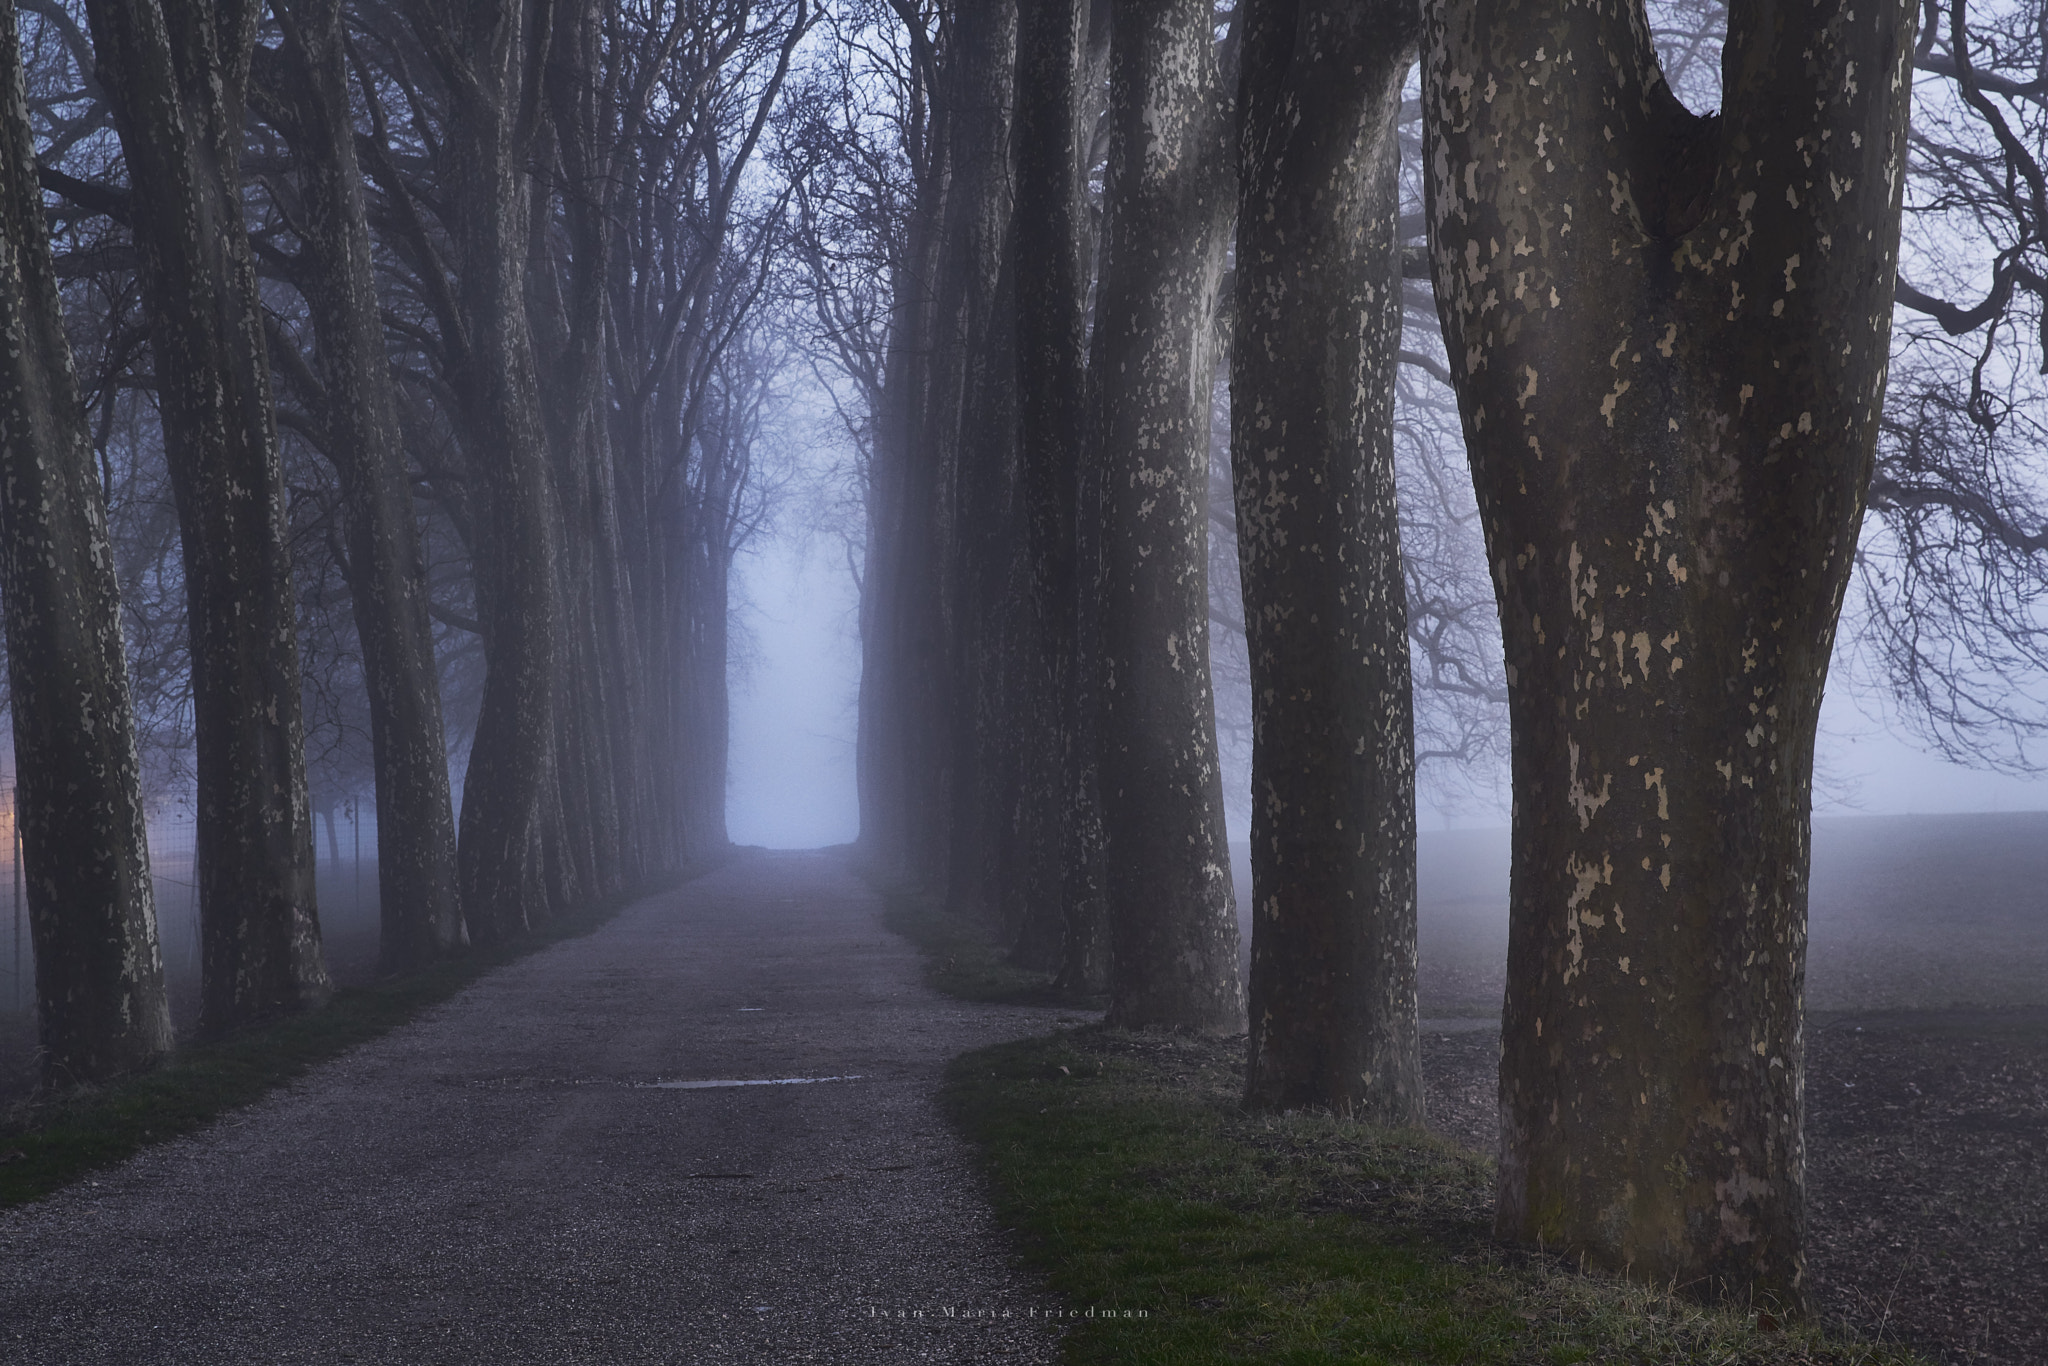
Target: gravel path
[{"x": 498, "y": 1182}]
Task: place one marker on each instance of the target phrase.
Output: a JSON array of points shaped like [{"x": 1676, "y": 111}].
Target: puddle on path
[
  {"x": 760, "y": 1081},
  {"x": 1457, "y": 1024},
  {"x": 538, "y": 1083}
]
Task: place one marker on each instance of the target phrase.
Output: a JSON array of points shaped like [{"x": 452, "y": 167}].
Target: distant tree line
[
  {"x": 1051, "y": 242},
  {"x": 433, "y": 332}
]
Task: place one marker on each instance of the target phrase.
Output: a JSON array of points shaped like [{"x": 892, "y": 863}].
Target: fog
[
  {"x": 795, "y": 681},
  {"x": 796, "y": 678}
]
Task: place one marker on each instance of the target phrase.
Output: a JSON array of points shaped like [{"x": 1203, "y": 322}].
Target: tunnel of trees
[{"x": 1450, "y": 386}]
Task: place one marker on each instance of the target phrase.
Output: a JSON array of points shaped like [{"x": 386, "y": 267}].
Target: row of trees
[
  {"x": 452, "y": 316},
  {"x": 446, "y": 316},
  {"x": 1042, "y": 231}
]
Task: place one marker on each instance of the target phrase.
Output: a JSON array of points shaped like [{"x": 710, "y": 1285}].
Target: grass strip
[
  {"x": 47, "y": 1143},
  {"x": 962, "y": 958},
  {"x": 1198, "y": 1233}
]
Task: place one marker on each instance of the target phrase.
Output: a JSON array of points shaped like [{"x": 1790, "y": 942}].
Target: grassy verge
[
  {"x": 1140, "y": 1187},
  {"x": 962, "y": 958},
  {"x": 48, "y": 1143}
]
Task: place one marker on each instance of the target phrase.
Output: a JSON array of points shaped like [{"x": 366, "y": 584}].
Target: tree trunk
[
  {"x": 416, "y": 879},
  {"x": 974, "y": 435},
  {"x": 1669, "y": 339},
  {"x": 889, "y": 654},
  {"x": 101, "y": 1008},
  {"x": 486, "y": 201},
  {"x": 1051, "y": 287},
  {"x": 1169, "y": 199},
  {"x": 1086, "y": 946},
  {"x": 1318, "y": 333},
  {"x": 567, "y": 302},
  {"x": 174, "y": 77},
  {"x": 928, "y": 667},
  {"x": 709, "y": 718}
]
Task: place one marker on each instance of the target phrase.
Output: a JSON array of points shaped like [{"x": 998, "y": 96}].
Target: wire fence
[{"x": 345, "y": 864}]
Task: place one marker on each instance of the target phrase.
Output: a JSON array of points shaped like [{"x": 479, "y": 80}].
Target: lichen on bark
[
  {"x": 1668, "y": 334},
  {"x": 1169, "y": 200}
]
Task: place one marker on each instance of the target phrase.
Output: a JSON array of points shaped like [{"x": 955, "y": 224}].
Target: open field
[
  {"x": 1906, "y": 913},
  {"x": 1927, "y": 1057}
]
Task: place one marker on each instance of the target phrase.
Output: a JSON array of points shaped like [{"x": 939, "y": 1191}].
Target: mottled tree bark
[
  {"x": 1051, "y": 282},
  {"x": 1669, "y": 339},
  {"x": 1318, "y": 332},
  {"x": 481, "y": 54},
  {"x": 101, "y": 1008},
  {"x": 416, "y": 881},
  {"x": 1169, "y": 199},
  {"x": 174, "y": 75}
]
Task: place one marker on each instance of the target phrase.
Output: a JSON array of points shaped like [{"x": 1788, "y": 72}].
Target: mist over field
[
  {"x": 1928, "y": 876},
  {"x": 796, "y": 679}
]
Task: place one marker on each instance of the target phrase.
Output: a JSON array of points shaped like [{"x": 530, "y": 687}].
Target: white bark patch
[
  {"x": 1586, "y": 877},
  {"x": 1581, "y": 798},
  {"x": 1740, "y": 1188},
  {"x": 1621, "y": 387},
  {"x": 1581, "y": 593}
]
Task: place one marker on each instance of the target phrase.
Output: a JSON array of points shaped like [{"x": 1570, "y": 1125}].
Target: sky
[{"x": 1870, "y": 771}]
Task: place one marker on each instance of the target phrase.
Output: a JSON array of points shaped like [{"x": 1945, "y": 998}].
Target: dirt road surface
[{"x": 505, "y": 1180}]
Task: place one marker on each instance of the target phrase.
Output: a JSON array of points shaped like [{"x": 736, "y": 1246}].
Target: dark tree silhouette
[
  {"x": 301, "y": 88},
  {"x": 1058, "y": 825},
  {"x": 175, "y": 75},
  {"x": 99, "y": 976}
]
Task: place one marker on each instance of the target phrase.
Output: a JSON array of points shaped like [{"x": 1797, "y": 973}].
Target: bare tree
[
  {"x": 970, "y": 459},
  {"x": 1169, "y": 201},
  {"x": 301, "y": 88},
  {"x": 465, "y": 81},
  {"x": 1317, "y": 339},
  {"x": 175, "y": 76},
  {"x": 1668, "y": 335},
  {"x": 894, "y": 830},
  {"x": 1954, "y": 568},
  {"x": 101, "y": 1008},
  {"x": 1057, "y": 814},
  {"x": 691, "y": 268}
]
